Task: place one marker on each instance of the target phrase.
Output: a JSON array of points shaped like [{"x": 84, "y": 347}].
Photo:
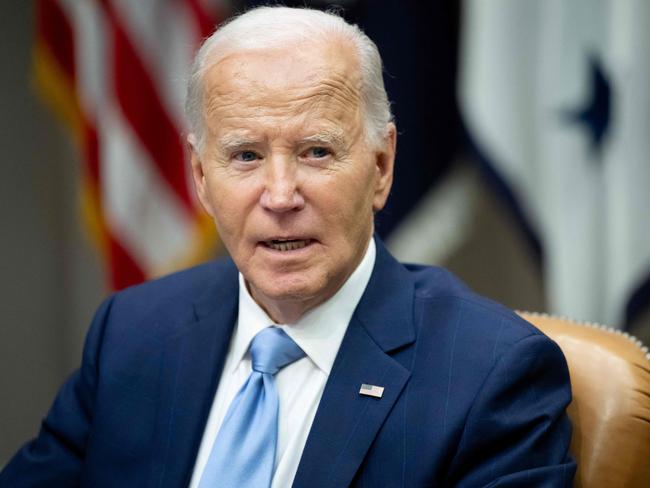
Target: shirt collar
[{"x": 320, "y": 331}]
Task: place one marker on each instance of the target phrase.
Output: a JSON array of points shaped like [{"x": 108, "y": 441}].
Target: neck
[{"x": 286, "y": 311}]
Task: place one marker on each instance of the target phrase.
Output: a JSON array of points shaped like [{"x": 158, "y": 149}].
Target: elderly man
[{"x": 311, "y": 358}]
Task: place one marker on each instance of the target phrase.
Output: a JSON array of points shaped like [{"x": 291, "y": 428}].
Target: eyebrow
[
  {"x": 335, "y": 137},
  {"x": 232, "y": 142}
]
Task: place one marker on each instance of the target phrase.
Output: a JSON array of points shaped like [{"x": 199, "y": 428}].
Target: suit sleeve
[
  {"x": 517, "y": 432},
  {"x": 55, "y": 457}
]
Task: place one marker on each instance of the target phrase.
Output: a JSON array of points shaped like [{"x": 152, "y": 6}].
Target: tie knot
[{"x": 272, "y": 349}]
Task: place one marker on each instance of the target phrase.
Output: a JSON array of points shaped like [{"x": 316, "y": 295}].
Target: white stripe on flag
[
  {"x": 140, "y": 207},
  {"x": 165, "y": 37}
]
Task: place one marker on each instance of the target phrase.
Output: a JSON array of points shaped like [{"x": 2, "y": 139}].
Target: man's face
[{"x": 286, "y": 172}]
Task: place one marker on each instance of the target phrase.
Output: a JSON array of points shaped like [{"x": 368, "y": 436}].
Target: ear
[
  {"x": 385, "y": 161},
  {"x": 198, "y": 176}
]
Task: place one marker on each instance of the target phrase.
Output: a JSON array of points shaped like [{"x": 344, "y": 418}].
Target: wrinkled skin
[{"x": 285, "y": 158}]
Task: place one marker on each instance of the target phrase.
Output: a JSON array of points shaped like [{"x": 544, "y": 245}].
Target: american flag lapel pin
[{"x": 371, "y": 390}]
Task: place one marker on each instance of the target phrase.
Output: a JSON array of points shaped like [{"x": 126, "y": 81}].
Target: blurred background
[{"x": 523, "y": 161}]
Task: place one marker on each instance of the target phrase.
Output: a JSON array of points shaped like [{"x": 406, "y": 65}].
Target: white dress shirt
[{"x": 300, "y": 385}]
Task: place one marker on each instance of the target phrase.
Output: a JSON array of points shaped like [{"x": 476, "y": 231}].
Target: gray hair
[{"x": 265, "y": 27}]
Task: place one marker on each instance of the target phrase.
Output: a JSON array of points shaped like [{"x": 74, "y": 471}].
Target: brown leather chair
[{"x": 610, "y": 411}]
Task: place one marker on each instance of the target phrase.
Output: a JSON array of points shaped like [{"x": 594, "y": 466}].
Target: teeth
[{"x": 287, "y": 245}]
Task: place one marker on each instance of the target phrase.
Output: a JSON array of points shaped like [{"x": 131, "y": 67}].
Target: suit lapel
[
  {"x": 191, "y": 367},
  {"x": 346, "y": 422}
]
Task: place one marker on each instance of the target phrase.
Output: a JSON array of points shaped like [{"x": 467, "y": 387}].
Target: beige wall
[{"x": 50, "y": 281}]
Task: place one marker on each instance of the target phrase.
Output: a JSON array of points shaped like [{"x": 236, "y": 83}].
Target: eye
[
  {"x": 317, "y": 152},
  {"x": 246, "y": 156}
]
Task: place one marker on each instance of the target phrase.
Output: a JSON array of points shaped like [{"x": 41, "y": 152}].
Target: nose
[{"x": 281, "y": 192}]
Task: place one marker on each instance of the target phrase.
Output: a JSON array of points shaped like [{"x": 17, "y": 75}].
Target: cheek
[
  {"x": 360, "y": 191},
  {"x": 228, "y": 204},
  {"x": 348, "y": 203}
]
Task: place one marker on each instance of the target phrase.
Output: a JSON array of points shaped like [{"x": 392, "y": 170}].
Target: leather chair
[{"x": 610, "y": 411}]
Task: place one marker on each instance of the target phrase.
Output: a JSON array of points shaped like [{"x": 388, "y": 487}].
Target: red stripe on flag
[
  {"x": 205, "y": 21},
  {"x": 124, "y": 270},
  {"x": 91, "y": 152},
  {"x": 140, "y": 103},
  {"x": 56, "y": 32}
]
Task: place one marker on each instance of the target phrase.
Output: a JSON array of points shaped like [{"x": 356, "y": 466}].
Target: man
[{"x": 398, "y": 375}]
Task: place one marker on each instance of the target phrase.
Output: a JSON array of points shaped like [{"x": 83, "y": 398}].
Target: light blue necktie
[{"x": 243, "y": 454}]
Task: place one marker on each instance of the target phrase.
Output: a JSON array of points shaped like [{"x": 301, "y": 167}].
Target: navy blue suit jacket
[{"x": 474, "y": 396}]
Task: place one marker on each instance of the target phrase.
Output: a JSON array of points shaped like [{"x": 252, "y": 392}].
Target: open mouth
[{"x": 287, "y": 245}]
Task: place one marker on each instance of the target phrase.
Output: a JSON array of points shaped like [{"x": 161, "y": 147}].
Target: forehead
[{"x": 314, "y": 83}]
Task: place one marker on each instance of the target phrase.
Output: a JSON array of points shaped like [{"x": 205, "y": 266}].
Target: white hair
[{"x": 269, "y": 27}]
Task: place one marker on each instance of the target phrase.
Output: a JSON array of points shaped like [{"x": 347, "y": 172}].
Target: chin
[
  {"x": 291, "y": 290},
  {"x": 296, "y": 287}
]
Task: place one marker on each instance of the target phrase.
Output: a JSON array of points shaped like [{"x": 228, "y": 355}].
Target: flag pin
[{"x": 371, "y": 390}]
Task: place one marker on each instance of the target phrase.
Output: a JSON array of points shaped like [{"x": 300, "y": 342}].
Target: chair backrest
[{"x": 610, "y": 411}]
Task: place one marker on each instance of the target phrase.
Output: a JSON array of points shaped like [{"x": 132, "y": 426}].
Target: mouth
[{"x": 284, "y": 245}]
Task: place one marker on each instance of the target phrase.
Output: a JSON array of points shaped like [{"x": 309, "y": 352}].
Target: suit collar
[
  {"x": 192, "y": 362},
  {"x": 346, "y": 422},
  {"x": 222, "y": 290},
  {"x": 386, "y": 308}
]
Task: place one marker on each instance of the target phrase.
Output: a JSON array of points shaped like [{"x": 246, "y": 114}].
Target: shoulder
[
  {"x": 485, "y": 350},
  {"x": 444, "y": 304},
  {"x": 170, "y": 301},
  {"x": 132, "y": 326},
  {"x": 185, "y": 285}
]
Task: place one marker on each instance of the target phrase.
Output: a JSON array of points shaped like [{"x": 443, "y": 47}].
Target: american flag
[
  {"x": 371, "y": 390},
  {"x": 114, "y": 71}
]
